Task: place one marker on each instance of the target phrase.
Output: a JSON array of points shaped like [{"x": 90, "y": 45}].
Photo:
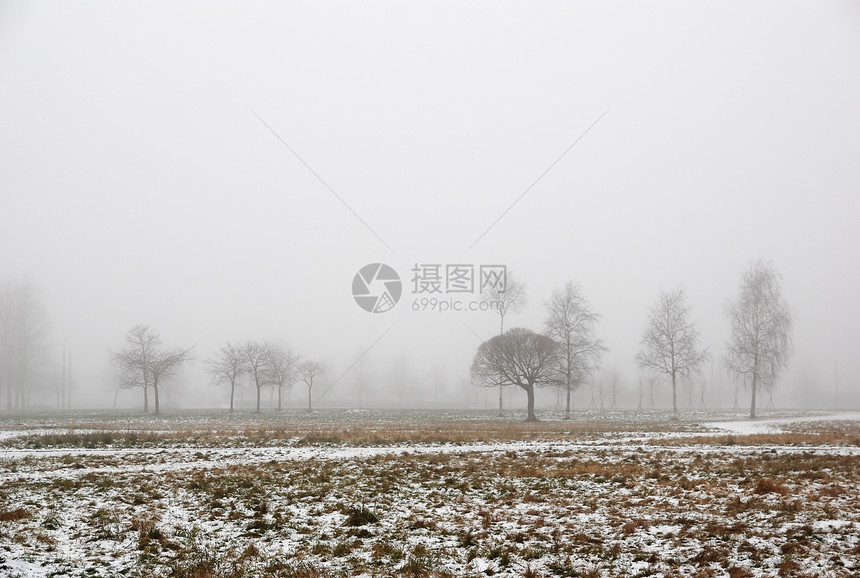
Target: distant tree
[
  {"x": 670, "y": 342},
  {"x": 761, "y": 343},
  {"x": 258, "y": 365},
  {"x": 503, "y": 298},
  {"x": 571, "y": 322},
  {"x": 307, "y": 371},
  {"x": 283, "y": 366},
  {"x": 145, "y": 364},
  {"x": 614, "y": 388},
  {"x": 438, "y": 376},
  {"x": 226, "y": 366},
  {"x": 518, "y": 357},
  {"x": 23, "y": 341}
]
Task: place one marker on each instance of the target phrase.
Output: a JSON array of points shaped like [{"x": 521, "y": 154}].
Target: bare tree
[
  {"x": 133, "y": 361},
  {"x": 143, "y": 363},
  {"x": 670, "y": 342},
  {"x": 282, "y": 364},
  {"x": 518, "y": 357},
  {"x": 307, "y": 371},
  {"x": 614, "y": 388},
  {"x": 226, "y": 367},
  {"x": 761, "y": 343},
  {"x": 258, "y": 365},
  {"x": 571, "y": 322},
  {"x": 509, "y": 296},
  {"x": 438, "y": 380},
  {"x": 23, "y": 336}
]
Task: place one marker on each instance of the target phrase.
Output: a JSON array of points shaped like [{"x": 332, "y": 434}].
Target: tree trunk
[
  {"x": 258, "y": 399},
  {"x": 145, "y": 400},
  {"x": 232, "y": 394},
  {"x": 309, "y": 397},
  {"x": 567, "y": 409},
  {"x": 674, "y": 397},
  {"x": 530, "y": 391},
  {"x": 501, "y": 332},
  {"x": 157, "y": 409},
  {"x": 752, "y": 405},
  {"x": 279, "y": 398}
]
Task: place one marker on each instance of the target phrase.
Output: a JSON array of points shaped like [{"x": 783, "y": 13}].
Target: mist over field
[{"x": 222, "y": 172}]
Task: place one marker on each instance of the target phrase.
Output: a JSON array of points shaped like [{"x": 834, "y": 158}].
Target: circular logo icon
[{"x": 376, "y": 288}]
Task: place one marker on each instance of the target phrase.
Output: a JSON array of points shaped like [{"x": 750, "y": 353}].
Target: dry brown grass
[
  {"x": 321, "y": 433},
  {"x": 837, "y": 438},
  {"x": 14, "y": 515},
  {"x": 766, "y": 486},
  {"x": 542, "y": 509}
]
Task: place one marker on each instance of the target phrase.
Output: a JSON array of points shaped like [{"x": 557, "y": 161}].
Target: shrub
[
  {"x": 766, "y": 486},
  {"x": 359, "y": 516}
]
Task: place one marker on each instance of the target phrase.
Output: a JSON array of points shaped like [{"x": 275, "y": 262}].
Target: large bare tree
[
  {"x": 761, "y": 343},
  {"x": 670, "y": 342},
  {"x": 226, "y": 368},
  {"x": 283, "y": 367},
  {"x": 518, "y": 357},
  {"x": 146, "y": 364},
  {"x": 23, "y": 341},
  {"x": 307, "y": 371},
  {"x": 508, "y": 296},
  {"x": 258, "y": 366},
  {"x": 571, "y": 322}
]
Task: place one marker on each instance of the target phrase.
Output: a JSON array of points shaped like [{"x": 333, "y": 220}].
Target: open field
[{"x": 346, "y": 493}]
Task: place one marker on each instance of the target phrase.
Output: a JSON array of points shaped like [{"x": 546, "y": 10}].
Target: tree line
[
  {"x": 564, "y": 354},
  {"x": 267, "y": 365},
  {"x": 144, "y": 363},
  {"x": 567, "y": 352}
]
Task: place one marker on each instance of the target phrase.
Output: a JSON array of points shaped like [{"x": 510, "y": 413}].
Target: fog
[{"x": 221, "y": 171}]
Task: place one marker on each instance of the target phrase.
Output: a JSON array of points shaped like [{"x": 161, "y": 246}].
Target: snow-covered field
[{"x": 368, "y": 493}]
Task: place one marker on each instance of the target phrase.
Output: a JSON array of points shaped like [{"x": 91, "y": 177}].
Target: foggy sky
[{"x": 137, "y": 184}]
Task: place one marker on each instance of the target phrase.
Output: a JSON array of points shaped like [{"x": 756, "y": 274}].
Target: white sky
[{"x": 136, "y": 184}]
